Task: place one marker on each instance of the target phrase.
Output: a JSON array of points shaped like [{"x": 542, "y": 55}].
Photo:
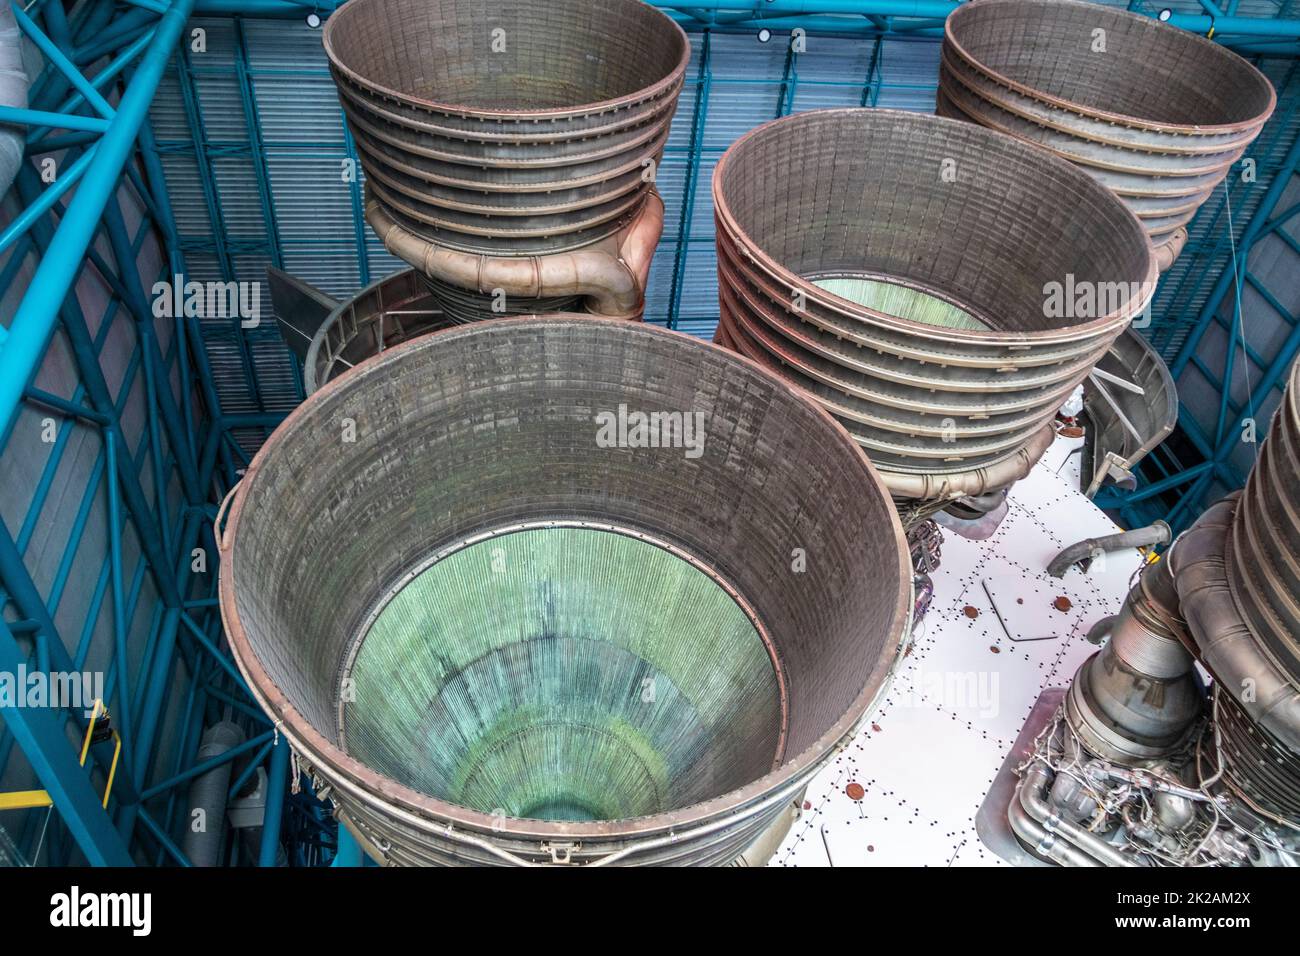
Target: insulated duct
[
  {"x": 533, "y": 636},
  {"x": 13, "y": 92},
  {"x": 1157, "y": 114},
  {"x": 205, "y": 822},
  {"x": 905, "y": 269},
  {"x": 510, "y": 149}
]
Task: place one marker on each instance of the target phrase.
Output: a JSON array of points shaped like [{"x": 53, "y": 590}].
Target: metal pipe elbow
[
  {"x": 973, "y": 483},
  {"x": 611, "y": 275},
  {"x": 1035, "y": 803},
  {"x": 1156, "y": 533},
  {"x": 1040, "y": 842}
]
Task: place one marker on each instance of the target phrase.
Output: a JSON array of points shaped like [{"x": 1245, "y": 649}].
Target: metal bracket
[{"x": 561, "y": 853}]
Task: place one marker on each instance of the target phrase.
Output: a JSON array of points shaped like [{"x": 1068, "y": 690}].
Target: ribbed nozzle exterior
[
  {"x": 491, "y": 434},
  {"x": 507, "y": 129},
  {"x": 1156, "y": 114},
  {"x": 1263, "y": 547},
  {"x": 939, "y": 288}
]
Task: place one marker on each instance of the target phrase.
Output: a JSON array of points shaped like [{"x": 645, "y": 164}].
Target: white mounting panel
[{"x": 927, "y": 757}]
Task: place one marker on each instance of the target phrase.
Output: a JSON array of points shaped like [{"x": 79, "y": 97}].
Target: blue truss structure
[{"x": 123, "y": 580}]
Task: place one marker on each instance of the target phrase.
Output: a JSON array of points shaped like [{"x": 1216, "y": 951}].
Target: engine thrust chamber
[
  {"x": 906, "y": 271},
  {"x": 511, "y": 149},
  {"x": 563, "y": 588}
]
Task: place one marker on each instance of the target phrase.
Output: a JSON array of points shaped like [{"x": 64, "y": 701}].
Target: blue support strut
[
  {"x": 39, "y": 731},
  {"x": 277, "y": 782},
  {"x": 34, "y": 323}
]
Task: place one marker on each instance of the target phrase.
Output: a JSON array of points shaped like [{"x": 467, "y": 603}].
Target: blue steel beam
[
  {"x": 39, "y": 731},
  {"x": 1219, "y": 450},
  {"x": 120, "y": 625},
  {"x": 74, "y": 322},
  {"x": 107, "y": 74},
  {"x": 359, "y": 227},
  {"x": 38, "y": 207},
  {"x": 12, "y": 569},
  {"x": 348, "y": 852},
  {"x": 703, "y": 81},
  {"x": 27, "y": 598},
  {"x": 208, "y": 182},
  {"x": 752, "y": 13},
  {"x": 253, "y": 123},
  {"x": 199, "y": 769},
  {"x": 95, "y": 43},
  {"x": 277, "y": 783},
  {"x": 146, "y": 700},
  {"x": 33, "y": 324},
  {"x": 137, "y": 302},
  {"x": 939, "y": 9},
  {"x": 60, "y": 61},
  {"x": 1254, "y": 228},
  {"x": 187, "y": 329},
  {"x": 22, "y": 117}
]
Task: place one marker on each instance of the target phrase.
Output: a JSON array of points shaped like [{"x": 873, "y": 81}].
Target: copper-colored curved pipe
[{"x": 611, "y": 275}]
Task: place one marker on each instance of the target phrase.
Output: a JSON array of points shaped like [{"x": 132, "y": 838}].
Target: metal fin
[{"x": 300, "y": 309}]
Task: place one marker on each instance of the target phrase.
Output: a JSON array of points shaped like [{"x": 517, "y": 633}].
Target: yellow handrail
[{"x": 31, "y": 799}]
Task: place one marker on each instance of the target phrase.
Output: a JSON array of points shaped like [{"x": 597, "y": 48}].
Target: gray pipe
[
  {"x": 1101, "y": 630},
  {"x": 1034, "y": 800},
  {"x": 973, "y": 482},
  {"x": 1138, "y": 698},
  {"x": 13, "y": 92},
  {"x": 205, "y": 825},
  {"x": 1156, "y": 533},
  {"x": 1042, "y": 843}
]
